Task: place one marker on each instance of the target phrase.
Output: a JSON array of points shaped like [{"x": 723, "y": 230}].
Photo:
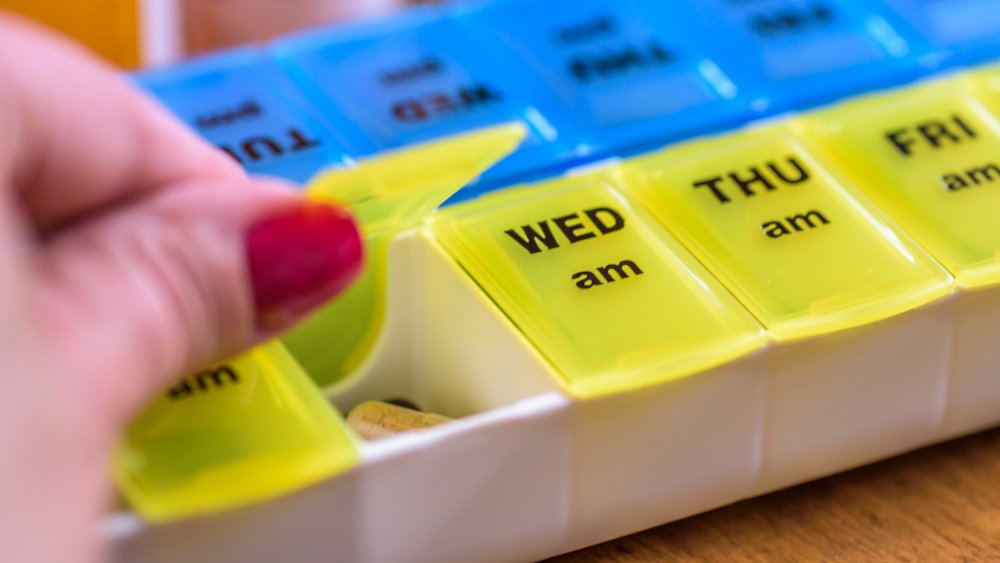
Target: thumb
[{"x": 184, "y": 276}]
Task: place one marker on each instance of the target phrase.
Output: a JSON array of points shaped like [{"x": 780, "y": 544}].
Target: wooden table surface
[{"x": 940, "y": 503}]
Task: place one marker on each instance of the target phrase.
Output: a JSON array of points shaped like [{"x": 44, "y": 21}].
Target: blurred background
[{"x": 137, "y": 33}]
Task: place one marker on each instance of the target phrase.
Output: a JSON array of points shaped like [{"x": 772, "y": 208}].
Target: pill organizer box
[{"x": 652, "y": 257}]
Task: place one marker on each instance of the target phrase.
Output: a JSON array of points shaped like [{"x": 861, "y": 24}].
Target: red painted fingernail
[{"x": 299, "y": 259}]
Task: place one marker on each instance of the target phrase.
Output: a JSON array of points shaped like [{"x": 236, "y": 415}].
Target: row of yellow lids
[{"x": 683, "y": 259}]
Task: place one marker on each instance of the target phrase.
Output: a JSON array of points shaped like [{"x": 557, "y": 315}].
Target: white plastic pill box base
[{"x": 529, "y": 472}]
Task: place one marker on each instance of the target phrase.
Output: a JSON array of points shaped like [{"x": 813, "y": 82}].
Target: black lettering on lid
[
  {"x": 598, "y": 26},
  {"x": 426, "y": 66}
]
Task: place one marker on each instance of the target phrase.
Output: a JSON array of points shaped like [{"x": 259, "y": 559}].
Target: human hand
[{"x": 130, "y": 253}]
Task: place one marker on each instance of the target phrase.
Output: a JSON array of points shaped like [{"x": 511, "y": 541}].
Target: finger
[
  {"x": 77, "y": 138},
  {"x": 186, "y": 276},
  {"x": 152, "y": 254}
]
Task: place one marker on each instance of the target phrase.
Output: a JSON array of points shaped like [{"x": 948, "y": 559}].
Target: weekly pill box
[{"x": 652, "y": 258}]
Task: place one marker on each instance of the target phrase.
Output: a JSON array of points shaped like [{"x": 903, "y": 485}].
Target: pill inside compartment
[{"x": 440, "y": 344}]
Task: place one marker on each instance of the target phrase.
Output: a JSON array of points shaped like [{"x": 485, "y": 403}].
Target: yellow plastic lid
[
  {"x": 395, "y": 191},
  {"x": 986, "y": 83},
  {"x": 930, "y": 157},
  {"x": 786, "y": 235},
  {"x": 389, "y": 193},
  {"x": 602, "y": 291},
  {"x": 234, "y": 433}
]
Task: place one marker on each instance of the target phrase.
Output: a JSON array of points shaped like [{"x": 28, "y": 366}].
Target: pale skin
[{"x": 121, "y": 266}]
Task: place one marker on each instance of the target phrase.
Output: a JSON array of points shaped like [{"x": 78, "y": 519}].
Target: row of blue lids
[{"x": 589, "y": 78}]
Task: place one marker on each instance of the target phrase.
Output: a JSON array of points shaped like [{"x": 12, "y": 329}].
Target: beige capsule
[{"x": 376, "y": 419}]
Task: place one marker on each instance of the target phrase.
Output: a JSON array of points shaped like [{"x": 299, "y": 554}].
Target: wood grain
[{"x": 936, "y": 504}]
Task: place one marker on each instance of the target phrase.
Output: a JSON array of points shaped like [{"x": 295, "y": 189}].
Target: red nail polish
[{"x": 301, "y": 258}]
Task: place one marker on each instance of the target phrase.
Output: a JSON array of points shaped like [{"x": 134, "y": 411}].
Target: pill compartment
[
  {"x": 492, "y": 481},
  {"x": 510, "y": 436},
  {"x": 762, "y": 213},
  {"x": 240, "y": 102},
  {"x": 621, "y": 74},
  {"x": 510, "y": 433},
  {"x": 950, "y": 32},
  {"x": 800, "y": 53},
  {"x": 927, "y": 156},
  {"x": 659, "y": 359},
  {"x": 392, "y": 195},
  {"x": 396, "y": 82}
]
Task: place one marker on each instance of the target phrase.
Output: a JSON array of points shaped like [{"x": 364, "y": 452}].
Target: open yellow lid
[
  {"x": 389, "y": 194},
  {"x": 394, "y": 191},
  {"x": 255, "y": 426}
]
